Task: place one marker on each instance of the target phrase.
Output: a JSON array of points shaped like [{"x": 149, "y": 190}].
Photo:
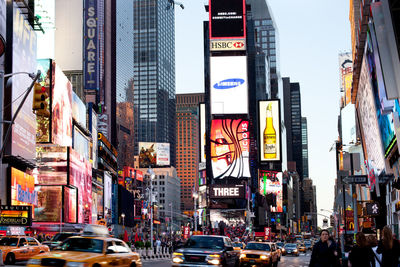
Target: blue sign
[
  {"x": 228, "y": 84},
  {"x": 90, "y": 46}
]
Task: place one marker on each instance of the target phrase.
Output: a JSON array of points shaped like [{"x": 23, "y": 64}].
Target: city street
[{"x": 286, "y": 261}]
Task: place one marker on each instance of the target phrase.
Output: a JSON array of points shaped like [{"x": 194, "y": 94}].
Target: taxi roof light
[{"x": 95, "y": 230}]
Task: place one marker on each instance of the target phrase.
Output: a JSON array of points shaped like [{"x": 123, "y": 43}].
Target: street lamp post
[
  {"x": 195, "y": 196},
  {"x": 152, "y": 176},
  {"x": 123, "y": 220}
]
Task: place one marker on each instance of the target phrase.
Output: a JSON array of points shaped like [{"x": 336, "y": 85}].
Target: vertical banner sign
[
  {"x": 90, "y": 49},
  {"x": 203, "y": 132},
  {"x": 267, "y": 233},
  {"x": 346, "y": 75},
  {"x": 270, "y": 130},
  {"x": 186, "y": 232}
]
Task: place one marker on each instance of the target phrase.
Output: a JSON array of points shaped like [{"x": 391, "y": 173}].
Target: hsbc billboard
[{"x": 226, "y": 45}]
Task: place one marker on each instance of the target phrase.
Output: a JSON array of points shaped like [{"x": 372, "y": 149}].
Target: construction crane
[{"x": 172, "y": 4}]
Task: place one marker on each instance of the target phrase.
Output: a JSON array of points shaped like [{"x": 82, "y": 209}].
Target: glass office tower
[{"x": 154, "y": 72}]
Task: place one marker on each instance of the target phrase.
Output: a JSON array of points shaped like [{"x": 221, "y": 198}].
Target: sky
[{"x": 311, "y": 35}]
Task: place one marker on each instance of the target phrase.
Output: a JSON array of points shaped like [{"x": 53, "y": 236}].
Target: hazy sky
[{"x": 311, "y": 35}]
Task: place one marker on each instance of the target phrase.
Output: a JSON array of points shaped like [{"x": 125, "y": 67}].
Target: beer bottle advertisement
[{"x": 269, "y": 127}]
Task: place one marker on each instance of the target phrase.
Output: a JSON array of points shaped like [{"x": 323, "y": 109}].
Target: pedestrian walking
[
  {"x": 361, "y": 254},
  {"x": 389, "y": 248},
  {"x": 324, "y": 252},
  {"x": 373, "y": 244}
]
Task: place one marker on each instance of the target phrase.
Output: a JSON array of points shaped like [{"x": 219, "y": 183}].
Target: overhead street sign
[{"x": 356, "y": 179}]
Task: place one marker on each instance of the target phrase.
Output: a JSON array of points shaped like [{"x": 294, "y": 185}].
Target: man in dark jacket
[{"x": 324, "y": 253}]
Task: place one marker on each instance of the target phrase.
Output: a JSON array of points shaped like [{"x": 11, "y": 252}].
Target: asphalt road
[{"x": 286, "y": 261}]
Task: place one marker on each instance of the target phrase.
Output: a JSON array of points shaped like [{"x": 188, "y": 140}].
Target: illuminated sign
[
  {"x": 230, "y": 146},
  {"x": 270, "y": 130},
  {"x": 227, "y": 19},
  {"x": 346, "y": 75},
  {"x": 227, "y": 191},
  {"x": 271, "y": 186},
  {"x": 22, "y": 188},
  {"x": 90, "y": 46},
  {"x": 227, "y": 45},
  {"x": 153, "y": 154},
  {"x": 15, "y": 215},
  {"x": 229, "y": 86},
  {"x": 203, "y": 133}
]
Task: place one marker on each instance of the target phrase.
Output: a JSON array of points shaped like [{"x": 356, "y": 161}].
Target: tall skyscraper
[
  {"x": 187, "y": 145},
  {"x": 304, "y": 143},
  {"x": 154, "y": 72},
  {"x": 266, "y": 37}
]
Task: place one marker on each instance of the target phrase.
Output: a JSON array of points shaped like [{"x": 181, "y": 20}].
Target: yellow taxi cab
[
  {"x": 94, "y": 248},
  {"x": 302, "y": 248},
  {"x": 238, "y": 246},
  {"x": 259, "y": 253},
  {"x": 20, "y": 248}
]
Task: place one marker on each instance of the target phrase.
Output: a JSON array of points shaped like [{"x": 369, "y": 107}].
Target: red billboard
[{"x": 230, "y": 146}]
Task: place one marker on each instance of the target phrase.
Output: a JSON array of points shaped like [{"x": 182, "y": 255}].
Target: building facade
[
  {"x": 187, "y": 145},
  {"x": 304, "y": 144},
  {"x": 154, "y": 73}
]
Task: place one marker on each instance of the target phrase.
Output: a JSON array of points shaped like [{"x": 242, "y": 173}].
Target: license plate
[{"x": 252, "y": 261}]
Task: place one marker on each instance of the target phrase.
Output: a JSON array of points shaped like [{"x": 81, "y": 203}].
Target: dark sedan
[{"x": 292, "y": 249}]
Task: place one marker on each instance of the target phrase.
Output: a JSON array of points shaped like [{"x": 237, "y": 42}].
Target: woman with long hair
[
  {"x": 324, "y": 252},
  {"x": 389, "y": 248}
]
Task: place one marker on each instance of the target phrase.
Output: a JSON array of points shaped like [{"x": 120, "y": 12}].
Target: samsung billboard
[
  {"x": 229, "y": 86},
  {"x": 227, "y": 19}
]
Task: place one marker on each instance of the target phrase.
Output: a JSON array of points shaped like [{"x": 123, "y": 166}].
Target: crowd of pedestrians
[{"x": 366, "y": 252}]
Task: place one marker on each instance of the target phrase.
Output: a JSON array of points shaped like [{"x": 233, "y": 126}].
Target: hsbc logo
[{"x": 221, "y": 45}]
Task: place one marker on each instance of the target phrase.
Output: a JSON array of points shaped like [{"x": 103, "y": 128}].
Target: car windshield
[
  {"x": 83, "y": 245},
  {"x": 237, "y": 245},
  {"x": 290, "y": 246},
  {"x": 258, "y": 246},
  {"x": 205, "y": 242},
  {"x": 61, "y": 237},
  {"x": 307, "y": 243},
  {"x": 8, "y": 241},
  {"x": 279, "y": 244}
]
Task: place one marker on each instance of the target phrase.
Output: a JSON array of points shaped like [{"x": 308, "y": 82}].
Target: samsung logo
[{"x": 228, "y": 83}]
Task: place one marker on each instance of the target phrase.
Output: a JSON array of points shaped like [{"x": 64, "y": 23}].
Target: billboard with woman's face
[{"x": 271, "y": 187}]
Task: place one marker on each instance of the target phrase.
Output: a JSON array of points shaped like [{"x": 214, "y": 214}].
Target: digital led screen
[
  {"x": 271, "y": 187},
  {"x": 80, "y": 176},
  {"x": 230, "y": 146},
  {"x": 22, "y": 188},
  {"x": 15, "y": 216},
  {"x": 229, "y": 85},
  {"x": 53, "y": 167},
  {"x": 70, "y": 200},
  {"x": 23, "y": 136},
  {"x": 81, "y": 143},
  {"x": 153, "y": 154},
  {"x": 78, "y": 110},
  {"x": 348, "y": 117},
  {"x": 346, "y": 75},
  {"x": 107, "y": 195},
  {"x": 202, "y": 132},
  {"x": 48, "y": 208},
  {"x": 270, "y": 130},
  {"x": 61, "y": 108},
  {"x": 227, "y": 19}
]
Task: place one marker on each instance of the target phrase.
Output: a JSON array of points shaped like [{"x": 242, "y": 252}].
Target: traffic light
[{"x": 40, "y": 101}]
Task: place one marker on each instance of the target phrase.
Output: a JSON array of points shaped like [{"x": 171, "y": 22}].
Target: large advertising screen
[
  {"x": 78, "y": 110},
  {"x": 229, "y": 86},
  {"x": 230, "y": 147},
  {"x": 203, "y": 137},
  {"x": 48, "y": 208},
  {"x": 270, "y": 130},
  {"x": 153, "y": 154},
  {"x": 23, "y": 60},
  {"x": 23, "y": 188},
  {"x": 70, "y": 207},
  {"x": 227, "y": 19},
  {"x": 368, "y": 119},
  {"x": 80, "y": 176},
  {"x": 43, "y": 134},
  {"x": 52, "y": 162},
  {"x": 348, "y": 117},
  {"x": 107, "y": 195},
  {"x": 81, "y": 143},
  {"x": 271, "y": 187},
  {"x": 61, "y": 108},
  {"x": 346, "y": 75}
]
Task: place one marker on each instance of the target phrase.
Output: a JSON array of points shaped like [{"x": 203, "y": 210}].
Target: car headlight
[
  {"x": 283, "y": 250},
  {"x": 34, "y": 262},
  {"x": 177, "y": 260},
  {"x": 76, "y": 264},
  {"x": 263, "y": 257},
  {"x": 177, "y": 254},
  {"x": 213, "y": 259},
  {"x": 295, "y": 250},
  {"x": 214, "y": 262},
  {"x": 242, "y": 256}
]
